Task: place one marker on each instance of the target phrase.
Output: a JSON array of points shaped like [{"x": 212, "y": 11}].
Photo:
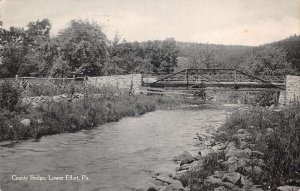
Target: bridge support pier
[
  {"x": 282, "y": 97},
  {"x": 292, "y": 90}
]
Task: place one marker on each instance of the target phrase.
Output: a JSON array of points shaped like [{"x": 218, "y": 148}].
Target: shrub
[
  {"x": 195, "y": 177},
  {"x": 9, "y": 96}
]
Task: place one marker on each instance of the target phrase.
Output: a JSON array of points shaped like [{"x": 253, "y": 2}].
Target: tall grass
[{"x": 70, "y": 115}]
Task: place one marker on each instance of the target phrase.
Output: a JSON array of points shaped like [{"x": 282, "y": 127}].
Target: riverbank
[
  {"x": 68, "y": 113},
  {"x": 255, "y": 149}
]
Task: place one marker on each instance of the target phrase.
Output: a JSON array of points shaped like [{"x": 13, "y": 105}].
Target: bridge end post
[
  {"x": 187, "y": 78},
  {"x": 234, "y": 78}
]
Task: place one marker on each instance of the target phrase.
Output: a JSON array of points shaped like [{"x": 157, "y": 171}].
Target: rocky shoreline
[{"x": 220, "y": 165}]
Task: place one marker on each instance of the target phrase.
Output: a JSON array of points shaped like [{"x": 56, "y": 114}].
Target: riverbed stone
[
  {"x": 184, "y": 167},
  {"x": 221, "y": 135},
  {"x": 258, "y": 162},
  {"x": 233, "y": 177},
  {"x": 208, "y": 143},
  {"x": 157, "y": 182},
  {"x": 246, "y": 182},
  {"x": 179, "y": 174},
  {"x": 230, "y": 145},
  {"x": 257, "y": 171},
  {"x": 256, "y": 188},
  {"x": 218, "y": 147},
  {"x": 230, "y": 186},
  {"x": 241, "y": 137},
  {"x": 185, "y": 156},
  {"x": 186, "y": 161},
  {"x": 257, "y": 154},
  {"x": 243, "y": 162},
  {"x": 175, "y": 186},
  {"x": 230, "y": 161},
  {"x": 206, "y": 152},
  {"x": 245, "y": 170},
  {"x": 219, "y": 173},
  {"x": 25, "y": 122},
  {"x": 231, "y": 152},
  {"x": 165, "y": 179},
  {"x": 238, "y": 153},
  {"x": 220, "y": 188},
  {"x": 149, "y": 186},
  {"x": 243, "y": 145},
  {"x": 212, "y": 180},
  {"x": 198, "y": 157}
]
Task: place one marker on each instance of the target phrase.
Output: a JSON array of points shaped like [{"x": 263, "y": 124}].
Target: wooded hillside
[{"x": 83, "y": 49}]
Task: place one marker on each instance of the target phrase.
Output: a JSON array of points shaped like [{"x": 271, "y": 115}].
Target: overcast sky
[{"x": 243, "y": 22}]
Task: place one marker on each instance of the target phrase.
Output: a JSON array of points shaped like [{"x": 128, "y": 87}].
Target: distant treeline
[{"x": 83, "y": 49}]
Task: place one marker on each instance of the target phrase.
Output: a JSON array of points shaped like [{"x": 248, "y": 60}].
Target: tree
[
  {"x": 268, "y": 60},
  {"x": 162, "y": 55},
  {"x": 23, "y": 50},
  {"x": 83, "y": 47},
  {"x": 37, "y": 32},
  {"x": 169, "y": 56},
  {"x": 126, "y": 58},
  {"x": 13, "y": 51},
  {"x": 36, "y": 42}
]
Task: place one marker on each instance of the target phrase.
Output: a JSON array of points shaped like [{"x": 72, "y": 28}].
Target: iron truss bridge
[{"x": 230, "y": 79}]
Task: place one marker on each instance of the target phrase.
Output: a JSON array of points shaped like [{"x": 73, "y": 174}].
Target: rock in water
[
  {"x": 184, "y": 156},
  {"x": 220, "y": 188},
  {"x": 149, "y": 186},
  {"x": 165, "y": 179},
  {"x": 175, "y": 186}
]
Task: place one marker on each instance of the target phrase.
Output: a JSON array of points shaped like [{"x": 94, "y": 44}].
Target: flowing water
[{"x": 115, "y": 157}]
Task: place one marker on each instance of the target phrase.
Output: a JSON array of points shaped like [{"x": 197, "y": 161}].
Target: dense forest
[{"x": 83, "y": 49}]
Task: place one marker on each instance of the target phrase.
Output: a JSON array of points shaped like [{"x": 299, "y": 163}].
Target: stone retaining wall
[
  {"x": 130, "y": 82},
  {"x": 292, "y": 88}
]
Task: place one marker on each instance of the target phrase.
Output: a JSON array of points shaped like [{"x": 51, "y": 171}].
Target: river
[{"x": 117, "y": 156}]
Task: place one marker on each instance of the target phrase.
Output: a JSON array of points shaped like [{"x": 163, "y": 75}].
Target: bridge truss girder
[{"x": 219, "y": 78}]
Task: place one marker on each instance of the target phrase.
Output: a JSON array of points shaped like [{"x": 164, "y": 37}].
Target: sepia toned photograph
[{"x": 149, "y": 95}]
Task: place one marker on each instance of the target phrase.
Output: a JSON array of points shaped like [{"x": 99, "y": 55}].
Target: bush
[{"x": 9, "y": 96}]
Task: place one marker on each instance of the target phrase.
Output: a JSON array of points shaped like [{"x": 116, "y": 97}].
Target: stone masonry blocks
[
  {"x": 292, "y": 92},
  {"x": 132, "y": 81}
]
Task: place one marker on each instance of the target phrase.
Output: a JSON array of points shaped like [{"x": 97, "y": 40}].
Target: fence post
[
  {"x": 187, "y": 79},
  {"x": 17, "y": 77},
  {"x": 73, "y": 78},
  {"x": 234, "y": 78}
]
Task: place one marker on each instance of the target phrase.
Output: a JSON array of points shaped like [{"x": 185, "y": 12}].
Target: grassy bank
[
  {"x": 255, "y": 149},
  {"x": 19, "y": 121}
]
